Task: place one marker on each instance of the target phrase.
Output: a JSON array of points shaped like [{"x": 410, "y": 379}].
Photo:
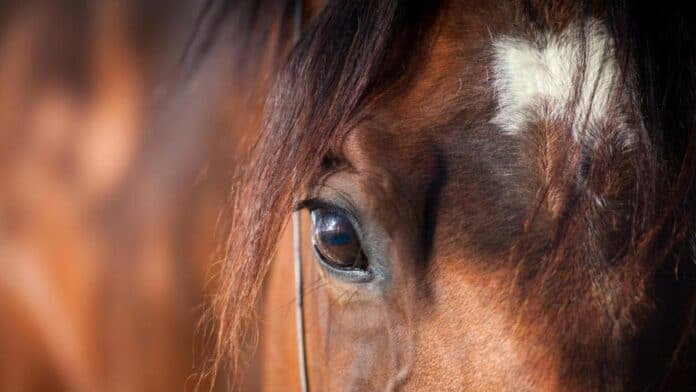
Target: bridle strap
[
  {"x": 297, "y": 250},
  {"x": 299, "y": 314}
]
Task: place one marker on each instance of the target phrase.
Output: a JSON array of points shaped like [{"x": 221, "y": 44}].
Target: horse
[
  {"x": 492, "y": 196},
  {"x": 112, "y": 174}
]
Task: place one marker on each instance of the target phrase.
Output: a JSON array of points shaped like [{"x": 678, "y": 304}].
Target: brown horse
[{"x": 500, "y": 197}]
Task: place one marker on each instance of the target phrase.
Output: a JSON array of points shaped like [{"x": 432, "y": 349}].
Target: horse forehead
[
  {"x": 566, "y": 77},
  {"x": 547, "y": 73}
]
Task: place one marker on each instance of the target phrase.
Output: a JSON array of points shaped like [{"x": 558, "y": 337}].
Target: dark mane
[
  {"x": 326, "y": 79},
  {"x": 357, "y": 50},
  {"x": 238, "y": 47}
]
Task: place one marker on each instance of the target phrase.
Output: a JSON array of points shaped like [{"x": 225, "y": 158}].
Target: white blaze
[{"x": 539, "y": 77}]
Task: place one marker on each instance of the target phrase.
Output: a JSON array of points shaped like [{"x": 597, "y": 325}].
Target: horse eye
[{"x": 335, "y": 240}]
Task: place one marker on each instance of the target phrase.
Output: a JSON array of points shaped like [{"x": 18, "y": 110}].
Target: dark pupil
[{"x": 335, "y": 239}]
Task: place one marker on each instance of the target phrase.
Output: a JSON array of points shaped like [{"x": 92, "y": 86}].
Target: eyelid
[
  {"x": 339, "y": 205},
  {"x": 312, "y": 203}
]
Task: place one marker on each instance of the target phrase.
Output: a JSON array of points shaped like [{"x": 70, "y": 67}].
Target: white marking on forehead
[{"x": 540, "y": 76}]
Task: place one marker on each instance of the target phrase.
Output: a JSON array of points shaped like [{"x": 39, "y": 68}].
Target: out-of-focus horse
[{"x": 115, "y": 165}]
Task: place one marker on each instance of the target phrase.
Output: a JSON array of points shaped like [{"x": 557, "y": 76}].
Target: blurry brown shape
[{"x": 108, "y": 211}]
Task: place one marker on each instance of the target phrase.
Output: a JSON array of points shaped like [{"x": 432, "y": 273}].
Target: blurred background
[{"x": 115, "y": 170}]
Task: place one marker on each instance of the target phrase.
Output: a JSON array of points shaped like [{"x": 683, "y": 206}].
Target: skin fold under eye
[{"x": 336, "y": 240}]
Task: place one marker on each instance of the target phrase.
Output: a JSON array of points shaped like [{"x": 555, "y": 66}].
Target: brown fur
[{"x": 504, "y": 272}]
